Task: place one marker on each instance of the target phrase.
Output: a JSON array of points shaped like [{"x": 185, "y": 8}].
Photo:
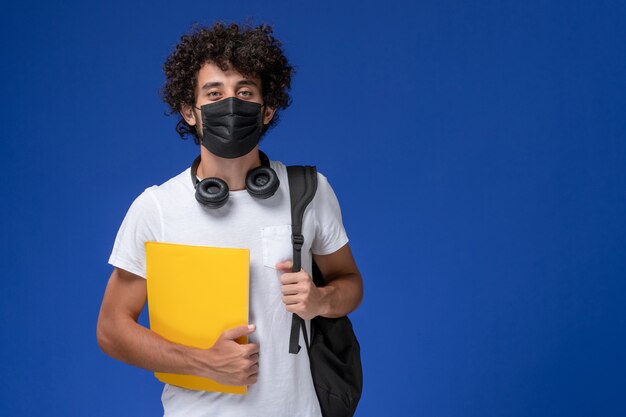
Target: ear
[
  {"x": 188, "y": 114},
  {"x": 268, "y": 114}
]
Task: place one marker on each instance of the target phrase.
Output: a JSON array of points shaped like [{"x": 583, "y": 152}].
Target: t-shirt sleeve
[
  {"x": 330, "y": 235},
  {"x": 141, "y": 224}
]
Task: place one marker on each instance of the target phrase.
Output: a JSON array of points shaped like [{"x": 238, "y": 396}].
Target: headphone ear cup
[
  {"x": 262, "y": 182},
  {"x": 212, "y": 192}
]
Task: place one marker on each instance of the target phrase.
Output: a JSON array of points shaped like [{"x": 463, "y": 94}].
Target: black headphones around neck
[{"x": 261, "y": 182}]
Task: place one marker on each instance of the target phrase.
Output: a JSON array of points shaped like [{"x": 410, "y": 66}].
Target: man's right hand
[{"x": 229, "y": 362}]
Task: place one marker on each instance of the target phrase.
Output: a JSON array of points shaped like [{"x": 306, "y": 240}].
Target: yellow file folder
[{"x": 195, "y": 293}]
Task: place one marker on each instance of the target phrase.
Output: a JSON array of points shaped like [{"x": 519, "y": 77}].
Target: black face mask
[{"x": 231, "y": 127}]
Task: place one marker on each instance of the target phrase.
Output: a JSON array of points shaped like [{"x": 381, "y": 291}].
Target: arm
[
  {"x": 342, "y": 294},
  {"x": 343, "y": 291},
  {"x": 121, "y": 337}
]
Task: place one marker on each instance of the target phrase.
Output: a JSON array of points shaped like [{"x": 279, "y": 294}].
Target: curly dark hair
[{"x": 253, "y": 52}]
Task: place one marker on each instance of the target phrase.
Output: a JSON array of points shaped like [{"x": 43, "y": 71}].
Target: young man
[{"x": 228, "y": 84}]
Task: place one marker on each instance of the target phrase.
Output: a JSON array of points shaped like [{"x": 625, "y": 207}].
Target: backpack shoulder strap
[{"x": 302, "y": 188}]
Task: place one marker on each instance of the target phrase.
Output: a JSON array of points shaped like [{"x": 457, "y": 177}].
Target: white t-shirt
[{"x": 170, "y": 213}]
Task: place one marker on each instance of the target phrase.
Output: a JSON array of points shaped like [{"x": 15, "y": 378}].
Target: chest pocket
[{"x": 276, "y": 244}]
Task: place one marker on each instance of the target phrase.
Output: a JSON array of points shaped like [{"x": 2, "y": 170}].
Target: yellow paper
[{"x": 195, "y": 293}]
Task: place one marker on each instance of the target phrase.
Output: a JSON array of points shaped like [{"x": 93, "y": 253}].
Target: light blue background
[{"x": 478, "y": 151}]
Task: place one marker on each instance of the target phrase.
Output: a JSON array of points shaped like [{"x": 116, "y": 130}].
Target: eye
[
  {"x": 246, "y": 93},
  {"x": 213, "y": 94}
]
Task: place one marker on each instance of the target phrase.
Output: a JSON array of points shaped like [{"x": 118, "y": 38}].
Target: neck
[{"x": 233, "y": 171}]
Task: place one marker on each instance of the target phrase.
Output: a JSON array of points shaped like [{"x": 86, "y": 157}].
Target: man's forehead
[
  {"x": 212, "y": 75},
  {"x": 210, "y": 84}
]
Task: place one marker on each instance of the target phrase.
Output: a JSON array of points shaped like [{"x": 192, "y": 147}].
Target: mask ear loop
[{"x": 263, "y": 110}]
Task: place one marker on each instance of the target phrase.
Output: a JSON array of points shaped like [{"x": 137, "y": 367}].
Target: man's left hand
[{"x": 300, "y": 294}]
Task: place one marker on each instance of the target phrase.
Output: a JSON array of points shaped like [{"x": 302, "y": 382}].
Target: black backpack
[{"x": 334, "y": 351}]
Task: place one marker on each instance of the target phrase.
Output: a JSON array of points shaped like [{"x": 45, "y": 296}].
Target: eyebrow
[{"x": 208, "y": 85}]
